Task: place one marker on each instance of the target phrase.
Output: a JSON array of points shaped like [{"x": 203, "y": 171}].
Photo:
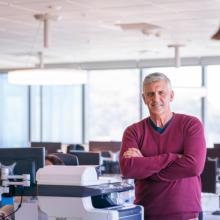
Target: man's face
[{"x": 157, "y": 96}]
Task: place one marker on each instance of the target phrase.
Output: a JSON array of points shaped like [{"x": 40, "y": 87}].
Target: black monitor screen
[
  {"x": 27, "y": 161},
  {"x": 105, "y": 147},
  {"x": 214, "y": 153},
  {"x": 50, "y": 147},
  {"x": 87, "y": 158},
  {"x": 216, "y": 145},
  {"x": 209, "y": 175}
]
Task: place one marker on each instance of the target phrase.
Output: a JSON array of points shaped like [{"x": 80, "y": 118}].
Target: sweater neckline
[{"x": 159, "y": 130}]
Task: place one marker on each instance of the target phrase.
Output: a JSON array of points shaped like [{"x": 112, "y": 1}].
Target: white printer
[{"x": 76, "y": 193}]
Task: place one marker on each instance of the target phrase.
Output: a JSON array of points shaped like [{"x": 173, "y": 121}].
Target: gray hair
[{"x": 155, "y": 77}]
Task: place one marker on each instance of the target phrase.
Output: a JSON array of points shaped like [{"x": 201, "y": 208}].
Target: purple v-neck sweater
[{"x": 167, "y": 186}]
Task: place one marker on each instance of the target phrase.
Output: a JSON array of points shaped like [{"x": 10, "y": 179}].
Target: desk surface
[{"x": 209, "y": 216}]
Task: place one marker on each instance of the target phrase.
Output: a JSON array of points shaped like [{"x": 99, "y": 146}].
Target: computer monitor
[
  {"x": 214, "y": 153},
  {"x": 104, "y": 147},
  {"x": 87, "y": 158},
  {"x": 28, "y": 161},
  {"x": 50, "y": 147},
  {"x": 216, "y": 145},
  {"x": 209, "y": 176}
]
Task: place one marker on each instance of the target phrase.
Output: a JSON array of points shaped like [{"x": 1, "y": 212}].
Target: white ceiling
[{"x": 90, "y": 30}]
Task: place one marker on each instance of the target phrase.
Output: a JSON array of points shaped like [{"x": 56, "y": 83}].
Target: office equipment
[
  {"x": 110, "y": 167},
  {"x": 50, "y": 147},
  {"x": 109, "y": 152},
  {"x": 75, "y": 192},
  {"x": 209, "y": 176},
  {"x": 216, "y": 145},
  {"x": 87, "y": 158},
  {"x": 25, "y": 161},
  {"x": 104, "y": 146},
  {"x": 8, "y": 179},
  {"x": 214, "y": 153}
]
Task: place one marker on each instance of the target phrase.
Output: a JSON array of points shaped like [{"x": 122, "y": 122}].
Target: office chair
[
  {"x": 68, "y": 159},
  {"x": 72, "y": 147}
]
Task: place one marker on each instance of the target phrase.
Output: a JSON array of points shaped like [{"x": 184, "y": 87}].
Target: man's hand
[{"x": 132, "y": 152}]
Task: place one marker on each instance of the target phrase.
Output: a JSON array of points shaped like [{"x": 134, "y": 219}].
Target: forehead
[{"x": 158, "y": 85}]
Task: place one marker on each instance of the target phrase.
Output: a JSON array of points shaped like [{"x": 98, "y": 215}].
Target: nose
[{"x": 156, "y": 97}]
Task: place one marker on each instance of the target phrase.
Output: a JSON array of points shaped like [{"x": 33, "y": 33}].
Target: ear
[{"x": 171, "y": 96}]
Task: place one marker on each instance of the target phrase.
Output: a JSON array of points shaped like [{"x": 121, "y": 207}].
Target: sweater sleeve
[
  {"x": 193, "y": 159},
  {"x": 141, "y": 167}
]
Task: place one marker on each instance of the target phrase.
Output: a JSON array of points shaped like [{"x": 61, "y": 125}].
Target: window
[
  {"x": 13, "y": 114},
  {"x": 213, "y": 105},
  {"x": 113, "y": 103},
  {"x": 57, "y": 114}
]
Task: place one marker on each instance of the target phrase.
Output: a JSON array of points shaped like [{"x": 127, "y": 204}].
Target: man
[{"x": 165, "y": 154}]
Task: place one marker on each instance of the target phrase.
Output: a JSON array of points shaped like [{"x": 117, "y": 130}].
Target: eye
[
  {"x": 162, "y": 93},
  {"x": 150, "y": 94}
]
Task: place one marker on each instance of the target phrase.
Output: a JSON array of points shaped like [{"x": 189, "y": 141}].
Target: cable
[{"x": 19, "y": 206}]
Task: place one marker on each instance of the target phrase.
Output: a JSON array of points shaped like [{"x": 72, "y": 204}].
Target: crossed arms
[{"x": 166, "y": 166}]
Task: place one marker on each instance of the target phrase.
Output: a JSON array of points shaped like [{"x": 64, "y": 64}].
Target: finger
[
  {"x": 131, "y": 154},
  {"x": 137, "y": 151},
  {"x": 128, "y": 153},
  {"x": 133, "y": 149}
]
